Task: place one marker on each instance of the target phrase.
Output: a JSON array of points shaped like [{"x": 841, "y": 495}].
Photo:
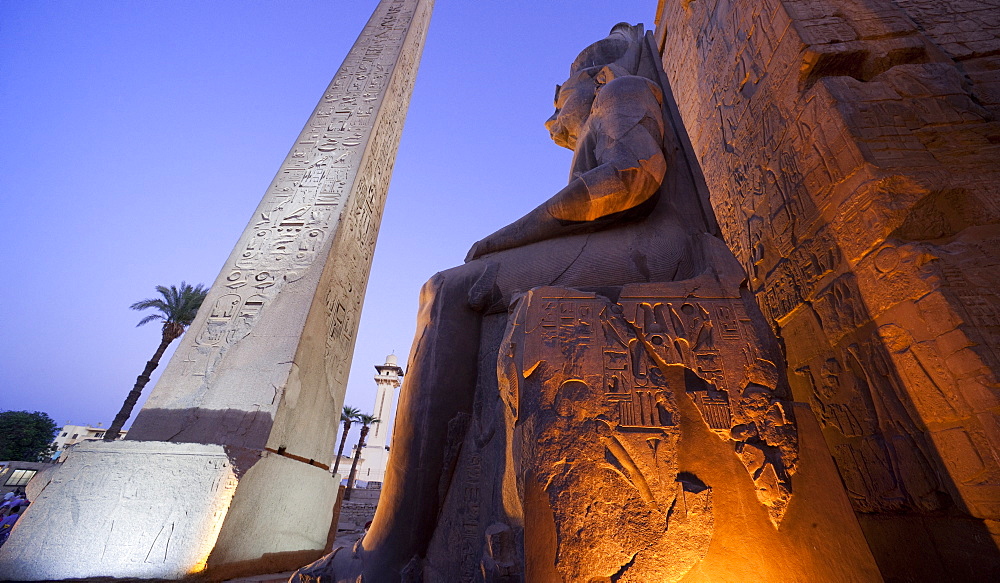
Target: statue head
[{"x": 596, "y": 65}]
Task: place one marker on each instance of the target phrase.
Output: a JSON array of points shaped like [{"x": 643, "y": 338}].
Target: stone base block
[
  {"x": 124, "y": 509},
  {"x": 279, "y": 520},
  {"x": 145, "y": 510}
]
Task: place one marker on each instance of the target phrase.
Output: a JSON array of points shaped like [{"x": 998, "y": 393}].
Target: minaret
[
  {"x": 375, "y": 454},
  {"x": 226, "y": 467}
]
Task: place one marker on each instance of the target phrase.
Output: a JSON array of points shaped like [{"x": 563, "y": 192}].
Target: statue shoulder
[
  {"x": 624, "y": 103},
  {"x": 628, "y": 88}
]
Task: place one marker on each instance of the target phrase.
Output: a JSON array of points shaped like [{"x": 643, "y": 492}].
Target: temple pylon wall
[{"x": 850, "y": 149}]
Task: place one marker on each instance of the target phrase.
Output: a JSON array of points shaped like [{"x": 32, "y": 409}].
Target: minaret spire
[{"x": 376, "y": 454}]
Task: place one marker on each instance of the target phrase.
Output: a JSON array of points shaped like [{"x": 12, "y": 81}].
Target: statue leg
[
  {"x": 443, "y": 365},
  {"x": 439, "y": 383}
]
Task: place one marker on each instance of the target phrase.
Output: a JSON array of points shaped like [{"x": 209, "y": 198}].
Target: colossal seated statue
[{"x": 553, "y": 375}]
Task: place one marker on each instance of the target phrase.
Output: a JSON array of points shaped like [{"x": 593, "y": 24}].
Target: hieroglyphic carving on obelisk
[
  {"x": 226, "y": 466},
  {"x": 300, "y": 269}
]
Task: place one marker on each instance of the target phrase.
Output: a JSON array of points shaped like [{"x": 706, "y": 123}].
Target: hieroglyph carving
[
  {"x": 592, "y": 390},
  {"x": 327, "y": 198},
  {"x": 363, "y": 215},
  {"x": 629, "y": 352},
  {"x": 849, "y": 148},
  {"x": 593, "y": 423}
]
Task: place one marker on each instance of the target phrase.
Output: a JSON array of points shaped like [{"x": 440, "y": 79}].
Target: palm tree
[
  {"x": 366, "y": 420},
  {"x": 347, "y": 417},
  {"x": 177, "y": 308}
]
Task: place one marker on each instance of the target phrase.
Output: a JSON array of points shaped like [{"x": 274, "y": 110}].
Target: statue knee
[
  {"x": 472, "y": 284},
  {"x": 430, "y": 288},
  {"x": 442, "y": 284}
]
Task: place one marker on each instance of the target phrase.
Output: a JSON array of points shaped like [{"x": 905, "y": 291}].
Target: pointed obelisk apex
[{"x": 226, "y": 466}]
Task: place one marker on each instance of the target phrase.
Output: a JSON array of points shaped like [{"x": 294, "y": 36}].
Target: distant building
[
  {"x": 14, "y": 476},
  {"x": 73, "y": 434},
  {"x": 375, "y": 455}
]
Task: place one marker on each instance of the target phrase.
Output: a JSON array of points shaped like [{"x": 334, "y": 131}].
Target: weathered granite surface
[{"x": 131, "y": 501}]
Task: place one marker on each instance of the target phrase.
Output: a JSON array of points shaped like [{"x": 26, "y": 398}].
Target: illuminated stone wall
[{"x": 851, "y": 149}]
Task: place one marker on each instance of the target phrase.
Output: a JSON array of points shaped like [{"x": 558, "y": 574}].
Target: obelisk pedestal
[{"x": 226, "y": 467}]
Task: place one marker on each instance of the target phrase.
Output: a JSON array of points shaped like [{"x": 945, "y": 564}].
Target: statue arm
[{"x": 630, "y": 172}]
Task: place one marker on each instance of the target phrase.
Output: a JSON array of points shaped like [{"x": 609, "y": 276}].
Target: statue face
[{"x": 574, "y": 99}]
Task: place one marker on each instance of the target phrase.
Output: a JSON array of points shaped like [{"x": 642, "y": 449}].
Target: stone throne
[{"x": 594, "y": 395}]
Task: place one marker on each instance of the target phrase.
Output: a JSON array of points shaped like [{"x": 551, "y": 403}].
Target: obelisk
[{"x": 226, "y": 467}]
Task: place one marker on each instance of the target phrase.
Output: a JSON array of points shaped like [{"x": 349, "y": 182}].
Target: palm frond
[
  {"x": 148, "y": 319},
  {"x": 366, "y": 419},
  {"x": 177, "y": 304},
  {"x": 350, "y": 414},
  {"x": 148, "y": 303}
]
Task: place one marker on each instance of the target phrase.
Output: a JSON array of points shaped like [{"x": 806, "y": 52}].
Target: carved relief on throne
[
  {"x": 597, "y": 383},
  {"x": 705, "y": 326},
  {"x": 592, "y": 424}
]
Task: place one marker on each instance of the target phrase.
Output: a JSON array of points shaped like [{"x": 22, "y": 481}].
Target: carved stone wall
[{"x": 850, "y": 149}]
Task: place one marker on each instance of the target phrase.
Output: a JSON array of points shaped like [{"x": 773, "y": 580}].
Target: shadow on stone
[{"x": 233, "y": 427}]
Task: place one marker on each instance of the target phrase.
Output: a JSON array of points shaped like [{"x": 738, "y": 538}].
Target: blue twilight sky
[{"x": 137, "y": 137}]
